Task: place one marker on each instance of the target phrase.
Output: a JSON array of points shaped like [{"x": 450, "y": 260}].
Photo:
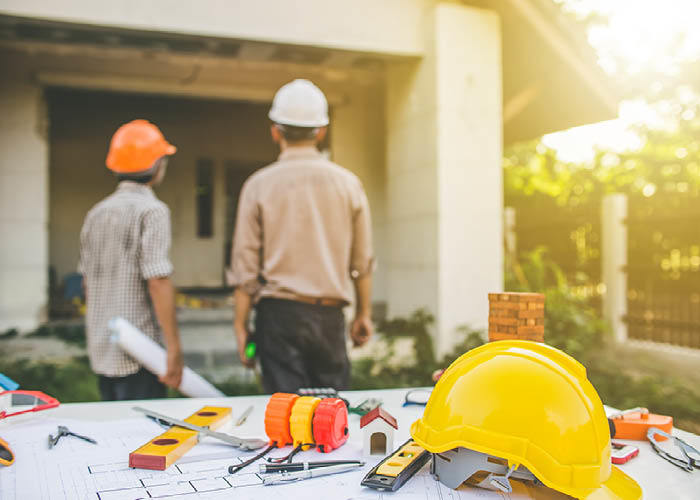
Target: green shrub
[
  {"x": 8, "y": 334},
  {"x": 571, "y": 324},
  {"x": 69, "y": 333},
  {"x": 383, "y": 372},
  {"x": 69, "y": 382}
]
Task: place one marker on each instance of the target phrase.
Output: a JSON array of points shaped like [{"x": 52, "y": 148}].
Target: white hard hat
[{"x": 299, "y": 104}]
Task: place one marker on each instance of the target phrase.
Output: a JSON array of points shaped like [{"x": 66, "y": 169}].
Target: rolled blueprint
[{"x": 154, "y": 358}]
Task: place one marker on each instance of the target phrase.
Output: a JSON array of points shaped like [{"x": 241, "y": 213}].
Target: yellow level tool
[
  {"x": 392, "y": 472},
  {"x": 164, "y": 450}
]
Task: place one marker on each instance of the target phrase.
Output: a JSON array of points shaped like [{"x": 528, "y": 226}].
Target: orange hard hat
[{"x": 136, "y": 146}]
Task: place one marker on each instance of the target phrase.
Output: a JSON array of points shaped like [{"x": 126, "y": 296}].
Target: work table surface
[{"x": 658, "y": 478}]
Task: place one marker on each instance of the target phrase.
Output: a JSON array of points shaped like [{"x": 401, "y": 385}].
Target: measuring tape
[
  {"x": 304, "y": 422},
  {"x": 330, "y": 424},
  {"x": 301, "y": 420},
  {"x": 277, "y": 415}
]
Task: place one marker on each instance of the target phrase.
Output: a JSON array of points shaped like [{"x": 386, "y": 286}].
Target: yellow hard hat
[{"x": 532, "y": 405}]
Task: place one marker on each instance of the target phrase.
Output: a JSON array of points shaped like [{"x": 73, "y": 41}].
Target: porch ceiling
[{"x": 80, "y": 56}]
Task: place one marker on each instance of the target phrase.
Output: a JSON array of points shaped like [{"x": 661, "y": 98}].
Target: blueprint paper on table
[{"x": 75, "y": 469}]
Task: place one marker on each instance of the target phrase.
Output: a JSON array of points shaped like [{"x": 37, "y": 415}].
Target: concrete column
[
  {"x": 444, "y": 152},
  {"x": 614, "y": 262},
  {"x": 23, "y": 206}
]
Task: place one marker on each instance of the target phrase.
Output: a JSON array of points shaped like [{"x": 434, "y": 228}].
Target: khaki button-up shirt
[
  {"x": 303, "y": 229},
  {"x": 124, "y": 242}
]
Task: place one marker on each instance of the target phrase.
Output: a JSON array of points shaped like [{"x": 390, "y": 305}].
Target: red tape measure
[{"x": 330, "y": 424}]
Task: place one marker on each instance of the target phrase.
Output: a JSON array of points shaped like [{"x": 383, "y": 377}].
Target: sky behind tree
[{"x": 647, "y": 41}]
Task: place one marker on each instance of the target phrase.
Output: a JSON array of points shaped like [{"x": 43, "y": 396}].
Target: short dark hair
[
  {"x": 297, "y": 134},
  {"x": 141, "y": 179}
]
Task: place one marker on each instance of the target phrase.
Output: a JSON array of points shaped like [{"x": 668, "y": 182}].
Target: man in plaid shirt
[{"x": 124, "y": 246}]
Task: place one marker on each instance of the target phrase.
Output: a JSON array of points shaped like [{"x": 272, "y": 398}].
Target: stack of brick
[{"x": 516, "y": 316}]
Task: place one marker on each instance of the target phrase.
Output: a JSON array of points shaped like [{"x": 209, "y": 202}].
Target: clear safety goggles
[{"x": 417, "y": 397}]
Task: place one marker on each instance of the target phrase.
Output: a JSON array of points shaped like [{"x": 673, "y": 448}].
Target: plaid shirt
[{"x": 124, "y": 242}]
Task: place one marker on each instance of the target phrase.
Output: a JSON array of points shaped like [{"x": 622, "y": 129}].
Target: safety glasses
[
  {"x": 14, "y": 403},
  {"x": 417, "y": 397},
  {"x": 690, "y": 456},
  {"x": 6, "y": 455}
]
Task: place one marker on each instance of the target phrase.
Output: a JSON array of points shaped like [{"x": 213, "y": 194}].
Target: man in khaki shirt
[{"x": 302, "y": 243}]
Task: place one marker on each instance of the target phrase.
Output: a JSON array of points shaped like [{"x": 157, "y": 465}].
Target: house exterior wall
[
  {"x": 321, "y": 23},
  {"x": 23, "y": 204},
  {"x": 444, "y": 180}
]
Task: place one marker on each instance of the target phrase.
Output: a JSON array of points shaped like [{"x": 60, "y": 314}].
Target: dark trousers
[
  {"x": 301, "y": 345},
  {"x": 141, "y": 385}
]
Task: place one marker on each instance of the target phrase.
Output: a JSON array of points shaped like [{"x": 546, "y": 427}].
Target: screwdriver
[
  {"x": 288, "y": 477},
  {"x": 297, "y": 466}
]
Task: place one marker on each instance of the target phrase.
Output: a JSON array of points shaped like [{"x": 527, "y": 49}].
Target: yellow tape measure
[{"x": 300, "y": 421}]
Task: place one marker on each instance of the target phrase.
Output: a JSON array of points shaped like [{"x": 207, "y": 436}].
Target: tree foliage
[{"x": 667, "y": 163}]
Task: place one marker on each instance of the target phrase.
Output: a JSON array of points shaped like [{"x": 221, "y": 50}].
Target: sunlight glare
[{"x": 647, "y": 35}]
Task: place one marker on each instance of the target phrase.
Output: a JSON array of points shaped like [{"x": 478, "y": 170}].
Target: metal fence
[
  {"x": 664, "y": 270},
  {"x": 663, "y": 260}
]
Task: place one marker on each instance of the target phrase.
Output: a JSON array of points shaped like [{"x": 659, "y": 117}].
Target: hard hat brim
[
  {"x": 619, "y": 486},
  {"x": 297, "y": 123}
]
